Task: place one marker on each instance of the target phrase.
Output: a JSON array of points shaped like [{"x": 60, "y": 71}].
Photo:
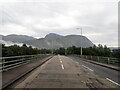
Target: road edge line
[{"x": 113, "y": 82}]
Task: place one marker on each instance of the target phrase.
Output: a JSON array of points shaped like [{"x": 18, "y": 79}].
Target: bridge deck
[{"x": 63, "y": 72}]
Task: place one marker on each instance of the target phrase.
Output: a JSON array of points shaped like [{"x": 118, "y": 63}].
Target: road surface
[
  {"x": 100, "y": 70},
  {"x": 64, "y": 72}
]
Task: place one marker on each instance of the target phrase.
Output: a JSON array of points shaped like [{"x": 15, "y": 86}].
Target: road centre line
[
  {"x": 61, "y": 62},
  {"x": 87, "y": 67},
  {"x": 77, "y": 62},
  {"x": 112, "y": 81},
  {"x": 62, "y": 66}
]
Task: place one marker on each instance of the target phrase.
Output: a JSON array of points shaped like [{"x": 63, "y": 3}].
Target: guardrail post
[
  {"x": 37, "y": 57},
  {"x": 3, "y": 64},
  {"x": 22, "y": 59},
  {"x": 108, "y": 60},
  {"x": 91, "y": 57},
  {"x": 98, "y": 59}
]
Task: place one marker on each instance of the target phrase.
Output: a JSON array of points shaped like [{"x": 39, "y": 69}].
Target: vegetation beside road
[
  {"x": 16, "y": 50},
  {"x": 99, "y": 50},
  {"x": 93, "y": 51}
]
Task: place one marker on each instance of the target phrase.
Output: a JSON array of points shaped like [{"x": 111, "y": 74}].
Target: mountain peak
[
  {"x": 50, "y": 39},
  {"x": 53, "y": 34}
]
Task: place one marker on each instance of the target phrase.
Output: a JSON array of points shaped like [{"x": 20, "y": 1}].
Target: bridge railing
[
  {"x": 106, "y": 60},
  {"x": 7, "y": 63}
]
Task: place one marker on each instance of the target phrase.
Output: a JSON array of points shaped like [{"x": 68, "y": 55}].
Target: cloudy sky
[{"x": 98, "y": 18}]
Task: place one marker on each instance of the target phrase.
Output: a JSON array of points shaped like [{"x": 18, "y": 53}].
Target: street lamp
[
  {"x": 52, "y": 47},
  {"x": 81, "y": 40}
]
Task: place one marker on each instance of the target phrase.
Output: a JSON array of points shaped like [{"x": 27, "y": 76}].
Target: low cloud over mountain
[
  {"x": 51, "y": 40},
  {"x": 55, "y": 41}
]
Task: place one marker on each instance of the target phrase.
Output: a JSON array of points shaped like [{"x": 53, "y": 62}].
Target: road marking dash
[
  {"x": 77, "y": 62},
  {"x": 61, "y": 61},
  {"x": 87, "y": 67},
  {"x": 112, "y": 81},
  {"x": 62, "y": 66}
]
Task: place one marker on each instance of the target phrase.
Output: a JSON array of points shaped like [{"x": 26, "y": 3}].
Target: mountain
[
  {"x": 17, "y": 38},
  {"x": 53, "y": 34},
  {"x": 111, "y": 48},
  {"x": 56, "y": 41},
  {"x": 51, "y": 40}
]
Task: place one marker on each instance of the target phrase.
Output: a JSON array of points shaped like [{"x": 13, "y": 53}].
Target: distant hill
[
  {"x": 56, "y": 41},
  {"x": 111, "y": 48},
  {"x": 51, "y": 40},
  {"x": 53, "y": 34},
  {"x": 17, "y": 38}
]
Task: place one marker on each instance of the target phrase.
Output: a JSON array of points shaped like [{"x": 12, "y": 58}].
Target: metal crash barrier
[
  {"x": 7, "y": 63},
  {"x": 106, "y": 60}
]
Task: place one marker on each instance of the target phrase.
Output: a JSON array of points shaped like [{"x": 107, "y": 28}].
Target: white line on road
[
  {"x": 77, "y": 62},
  {"x": 87, "y": 67},
  {"x": 62, "y": 66},
  {"x": 60, "y": 61},
  {"x": 112, "y": 81}
]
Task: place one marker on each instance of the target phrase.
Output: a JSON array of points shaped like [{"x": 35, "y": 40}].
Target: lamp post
[
  {"x": 81, "y": 41},
  {"x": 52, "y": 47}
]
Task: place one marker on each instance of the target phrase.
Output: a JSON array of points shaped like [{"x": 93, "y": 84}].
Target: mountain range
[
  {"x": 17, "y": 38},
  {"x": 51, "y": 40}
]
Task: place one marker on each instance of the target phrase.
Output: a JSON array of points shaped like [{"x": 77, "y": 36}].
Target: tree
[
  {"x": 24, "y": 45},
  {"x": 116, "y": 53},
  {"x": 61, "y": 51},
  {"x": 70, "y": 50},
  {"x": 16, "y": 50},
  {"x": 9, "y": 52},
  {"x": 107, "y": 51}
]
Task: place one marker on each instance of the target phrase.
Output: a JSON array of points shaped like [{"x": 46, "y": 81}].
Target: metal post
[
  {"x": 52, "y": 47},
  {"x": 91, "y": 57},
  {"x": 65, "y": 52},
  {"x": 81, "y": 42},
  {"x": 108, "y": 60},
  {"x": 23, "y": 59},
  {"x": 3, "y": 64},
  {"x": 98, "y": 59}
]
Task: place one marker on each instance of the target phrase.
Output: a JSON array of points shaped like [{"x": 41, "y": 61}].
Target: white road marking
[
  {"x": 61, "y": 63},
  {"x": 77, "y": 62},
  {"x": 87, "y": 67},
  {"x": 112, "y": 81},
  {"x": 62, "y": 66}
]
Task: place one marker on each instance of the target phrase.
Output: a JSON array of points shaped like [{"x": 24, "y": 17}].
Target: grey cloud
[{"x": 41, "y": 18}]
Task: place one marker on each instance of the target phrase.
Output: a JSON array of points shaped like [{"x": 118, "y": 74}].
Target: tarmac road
[
  {"x": 64, "y": 72},
  {"x": 100, "y": 70}
]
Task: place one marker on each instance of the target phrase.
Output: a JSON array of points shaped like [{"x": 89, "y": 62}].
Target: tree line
[
  {"x": 95, "y": 51},
  {"x": 16, "y": 50},
  {"x": 99, "y": 50}
]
